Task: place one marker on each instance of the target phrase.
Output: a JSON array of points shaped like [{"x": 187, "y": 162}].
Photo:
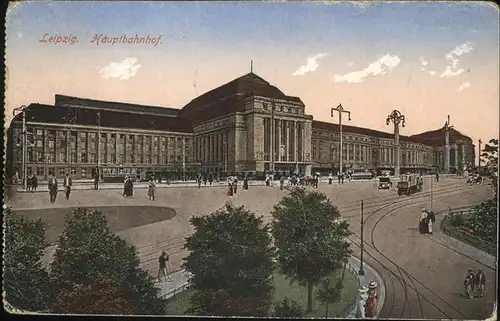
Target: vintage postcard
[{"x": 251, "y": 159}]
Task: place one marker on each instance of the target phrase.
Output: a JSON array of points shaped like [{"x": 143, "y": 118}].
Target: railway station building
[{"x": 226, "y": 130}]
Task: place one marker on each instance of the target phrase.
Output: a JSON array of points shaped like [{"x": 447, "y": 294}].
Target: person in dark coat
[
  {"x": 34, "y": 183},
  {"x": 282, "y": 182},
  {"x": 199, "y": 179},
  {"x": 211, "y": 178},
  {"x": 480, "y": 282},
  {"x": 437, "y": 177},
  {"x": 245, "y": 183},
  {"x": 28, "y": 183},
  {"x": 96, "y": 181},
  {"x": 235, "y": 184},
  {"x": 68, "y": 182},
  {"x": 230, "y": 190},
  {"x": 53, "y": 188}
]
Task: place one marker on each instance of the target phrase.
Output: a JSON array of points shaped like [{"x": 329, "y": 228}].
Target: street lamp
[
  {"x": 447, "y": 128},
  {"x": 396, "y": 117},
  {"x": 340, "y": 110},
  {"x": 479, "y": 156},
  {"x": 24, "y": 140},
  {"x": 361, "y": 270}
]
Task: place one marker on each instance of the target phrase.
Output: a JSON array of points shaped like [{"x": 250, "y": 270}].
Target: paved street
[{"x": 404, "y": 258}]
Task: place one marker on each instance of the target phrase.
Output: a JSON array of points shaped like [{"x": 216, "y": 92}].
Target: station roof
[
  {"x": 62, "y": 100},
  {"x": 230, "y": 98},
  {"x": 108, "y": 118},
  {"x": 433, "y": 138}
]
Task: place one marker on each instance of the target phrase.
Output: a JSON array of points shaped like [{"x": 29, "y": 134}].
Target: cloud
[
  {"x": 463, "y": 86},
  {"x": 378, "y": 67},
  {"x": 432, "y": 72},
  {"x": 423, "y": 62},
  {"x": 122, "y": 70},
  {"x": 448, "y": 72},
  {"x": 350, "y": 63},
  {"x": 452, "y": 57},
  {"x": 311, "y": 65}
]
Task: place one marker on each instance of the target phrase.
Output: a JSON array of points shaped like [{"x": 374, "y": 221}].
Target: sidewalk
[
  {"x": 370, "y": 275},
  {"x": 180, "y": 282}
]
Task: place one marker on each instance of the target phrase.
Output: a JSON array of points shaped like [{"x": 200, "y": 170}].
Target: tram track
[{"x": 399, "y": 269}]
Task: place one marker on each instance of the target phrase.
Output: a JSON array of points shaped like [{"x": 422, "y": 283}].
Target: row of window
[
  {"x": 92, "y": 158},
  {"x": 283, "y": 109}
]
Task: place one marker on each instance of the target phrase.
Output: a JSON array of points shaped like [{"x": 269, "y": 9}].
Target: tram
[{"x": 409, "y": 184}]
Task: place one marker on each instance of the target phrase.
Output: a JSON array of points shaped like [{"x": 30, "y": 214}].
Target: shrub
[{"x": 288, "y": 309}]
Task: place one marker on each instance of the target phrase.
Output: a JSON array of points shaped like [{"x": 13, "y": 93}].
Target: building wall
[{"x": 59, "y": 149}]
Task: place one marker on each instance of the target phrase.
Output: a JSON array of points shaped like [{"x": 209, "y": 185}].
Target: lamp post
[
  {"x": 24, "y": 140},
  {"x": 296, "y": 149},
  {"x": 397, "y": 118},
  {"x": 340, "y": 110},
  {"x": 479, "y": 156},
  {"x": 361, "y": 270},
  {"x": 447, "y": 128},
  {"x": 98, "y": 147}
]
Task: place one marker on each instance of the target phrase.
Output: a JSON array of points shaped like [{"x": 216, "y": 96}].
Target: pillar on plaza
[
  {"x": 464, "y": 158},
  {"x": 456, "y": 157},
  {"x": 446, "y": 149}
]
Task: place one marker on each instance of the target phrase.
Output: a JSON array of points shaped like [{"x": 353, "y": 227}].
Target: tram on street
[{"x": 409, "y": 184}]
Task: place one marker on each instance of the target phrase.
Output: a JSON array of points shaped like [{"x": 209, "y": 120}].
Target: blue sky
[{"x": 425, "y": 58}]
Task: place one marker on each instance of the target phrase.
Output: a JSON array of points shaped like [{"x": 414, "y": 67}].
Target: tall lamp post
[
  {"x": 24, "y": 143},
  {"x": 340, "y": 110},
  {"x": 447, "y": 128},
  {"x": 361, "y": 270},
  {"x": 98, "y": 147},
  {"x": 479, "y": 156},
  {"x": 397, "y": 118}
]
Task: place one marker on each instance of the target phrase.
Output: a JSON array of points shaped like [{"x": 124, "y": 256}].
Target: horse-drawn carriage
[
  {"x": 472, "y": 180},
  {"x": 409, "y": 184}
]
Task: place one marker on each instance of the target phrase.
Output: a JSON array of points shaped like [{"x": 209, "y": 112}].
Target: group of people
[
  {"x": 31, "y": 182},
  {"x": 426, "y": 221},
  {"x": 232, "y": 183},
  {"x": 474, "y": 178},
  {"x": 53, "y": 186},
  {"x": 366, "y": 306},
  {"x": 474, "y": 282}
]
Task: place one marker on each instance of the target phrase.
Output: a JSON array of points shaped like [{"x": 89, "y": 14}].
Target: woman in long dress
[
  {"x": 151, "y": 189},
  {"x": 125, "y": 192},
  {"x": 422, "y": 226}
]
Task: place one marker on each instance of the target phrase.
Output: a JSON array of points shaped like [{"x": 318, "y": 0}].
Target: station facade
[{"x": 226, "y": 130}]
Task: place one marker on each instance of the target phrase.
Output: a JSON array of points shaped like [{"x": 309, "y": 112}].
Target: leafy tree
[
  {"x": 230, "y": 260},
  {"x": 329, "y": 293},
  {"x": 87, "y": 251},
  {"x": 287, "y": 309},
  {"x": 484, "y": 220},
  {"x": 310, "y": 243},
  {"x": 100, "y": 296},
  {"x": 490, "y": 157},
  {"x": 26, "y": 282}
]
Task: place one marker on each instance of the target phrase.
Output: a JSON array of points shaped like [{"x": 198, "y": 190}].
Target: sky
[{"x": 425, "y": 59}]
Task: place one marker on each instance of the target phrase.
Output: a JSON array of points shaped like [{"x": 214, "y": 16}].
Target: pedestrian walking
[
  {"x": 52, "y": 188},
  {"x": 151, "y": 189},
  {"x": 96, "y": 181},
  {"x": 330, "y": 179},
  {"x": 422, "y": 222},
  {"x": 163, "y": 266},
  {"x": 469, "y": 284},
  {"x": 34, "y": 182},
  {"x": 210, "y": 178},
  {"x": 230, "y": 190},
  {"x": 282, "y": 182},
  {"x": 342, "y": 178},
  {"x": 480, "y": 282},
  {"x": 338, "y": 177},
  {"x": 245, "y": 183},
  {"x": 68, "y": 182},
  {"x": 28, "y": 183},
  {"x": 437, "y": 177},
  {"x": 235, "y": 184},
  {"x": 361, "y": 301},
  {"x": 431, "y": 219}
]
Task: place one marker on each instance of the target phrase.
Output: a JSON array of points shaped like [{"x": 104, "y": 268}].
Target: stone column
[
  {"x": 447, "y": 150},
  {"x": 278, "y": 150},
  {"x": 296, "y": 144},
  {"x": 287, "y": 149},
  {"x": 456, "y": 157},
  {"x": 464, "y": 157}
]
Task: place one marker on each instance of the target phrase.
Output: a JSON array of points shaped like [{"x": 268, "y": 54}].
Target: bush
[
  {"x": 456, "y": 219},
  {"x": 287, "y": 309}
]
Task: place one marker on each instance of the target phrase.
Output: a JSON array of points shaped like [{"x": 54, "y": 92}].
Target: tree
[
  {"x": 287, "y": 309},
  {"x": 329, "y": 293},
  {"x": 26, "y": 282},
  {"x": 484, "y": 218},
  {"x": 87, "y": 251},
  {"x": 230, "y": 261},
  {"x": 100, "y": 296},
  {"x": 310, "y": 243},
  {"x": 490, "y": 157}
]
